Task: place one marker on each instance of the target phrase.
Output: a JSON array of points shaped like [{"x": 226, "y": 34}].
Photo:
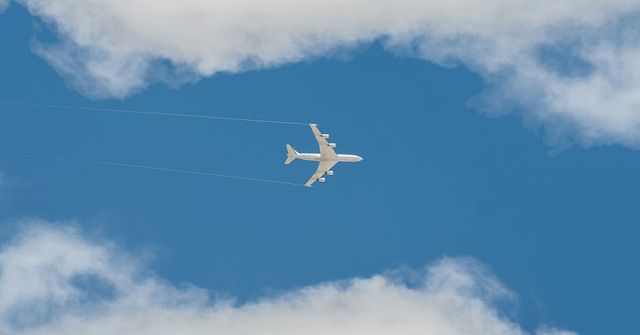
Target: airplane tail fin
[{"x": 291, "y": 154}]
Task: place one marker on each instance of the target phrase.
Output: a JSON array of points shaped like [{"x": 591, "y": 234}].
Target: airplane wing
[
  {"x": 325, "y": 149},
  {"x": 323, "y": 167}
]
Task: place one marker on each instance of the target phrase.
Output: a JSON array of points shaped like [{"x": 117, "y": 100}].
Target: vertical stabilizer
[{"x": 291, "y": 154}]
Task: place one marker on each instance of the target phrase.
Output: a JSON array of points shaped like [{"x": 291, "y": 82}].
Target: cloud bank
[
  {"x": 56, "y": 281},
  {"x": 570, "y": 66}
]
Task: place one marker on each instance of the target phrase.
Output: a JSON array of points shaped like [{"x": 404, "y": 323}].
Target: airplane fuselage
[
  {"x": 326, "y": 159},
  {"x": 318, "y": 157}
]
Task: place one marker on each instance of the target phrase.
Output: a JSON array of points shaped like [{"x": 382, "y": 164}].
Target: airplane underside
[{"x": 326, "y": 159}]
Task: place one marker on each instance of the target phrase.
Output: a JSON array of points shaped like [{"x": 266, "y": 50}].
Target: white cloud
[
  {"x": 55, "y": 281},
  {"x": 114, "y": 48},
  {"x": 4, "y": 4}
]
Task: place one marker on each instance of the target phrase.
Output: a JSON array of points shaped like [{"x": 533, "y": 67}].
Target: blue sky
[{"x": 440, "y": 179}]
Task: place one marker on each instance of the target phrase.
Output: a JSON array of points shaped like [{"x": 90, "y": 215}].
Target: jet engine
[
  {"x": 322, "y": 180},
  {"x": 330, "y": 173},
  {"x": 325, "y": 135},
  {"x": 333, "y": 145}
]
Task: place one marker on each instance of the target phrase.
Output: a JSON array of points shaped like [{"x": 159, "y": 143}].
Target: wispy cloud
[
  {"x": 4, "y": 4},
  {"x": 56, "y": 281},
  {"x": 570, "y": 66}
]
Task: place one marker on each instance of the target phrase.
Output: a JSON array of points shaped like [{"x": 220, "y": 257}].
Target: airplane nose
[{"x": 360, "y": 158}]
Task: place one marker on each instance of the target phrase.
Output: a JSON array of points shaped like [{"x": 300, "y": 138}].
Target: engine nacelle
[
  {"x": 325, "y": 135},
  {"x": 333, "y": 145},
  {"x": 322, "y": 180},
  {"x": 330, "y": 173}
]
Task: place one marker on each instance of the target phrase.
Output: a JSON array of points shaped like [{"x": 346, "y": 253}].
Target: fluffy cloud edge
[
  {"x": 54, "y": 280},
  {"x": 568, "y": 67},
  {"x": 4, "y": 4}
]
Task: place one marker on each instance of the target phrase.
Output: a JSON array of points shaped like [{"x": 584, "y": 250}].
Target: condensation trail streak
[
  {"x": 126, "y": 111},
  {"x": 157, "y": 168}
]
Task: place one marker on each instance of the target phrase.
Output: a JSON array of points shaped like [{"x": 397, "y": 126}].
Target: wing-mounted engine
[
  {"x": 333, "y": 145},
  {"x": 322, "y": 180},
  {"x": 325, "y": 136},
  {"x": 330, "y": 173}
]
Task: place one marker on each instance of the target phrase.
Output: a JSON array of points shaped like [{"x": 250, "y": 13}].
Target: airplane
[{"x": 326, "y": 159}]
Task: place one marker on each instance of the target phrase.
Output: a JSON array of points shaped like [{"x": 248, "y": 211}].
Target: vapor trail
[
  {"x": 127, "y": 111},
  {"x": 157, "y": 168}
]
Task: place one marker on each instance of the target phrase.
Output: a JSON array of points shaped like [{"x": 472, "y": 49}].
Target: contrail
[
  {"x": 126, "y": 111},
  {"x": 157, "y": 168}
]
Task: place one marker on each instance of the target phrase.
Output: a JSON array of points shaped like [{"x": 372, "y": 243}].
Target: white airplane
[{"x": 327, "y": 158}]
